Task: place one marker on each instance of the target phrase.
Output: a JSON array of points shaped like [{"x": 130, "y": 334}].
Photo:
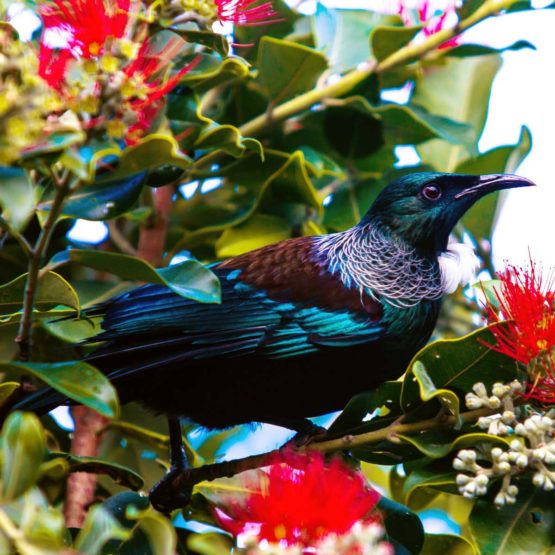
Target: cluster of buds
[
  {"x": 25, "y": 100},
  {"x": 531, "y": 450}
]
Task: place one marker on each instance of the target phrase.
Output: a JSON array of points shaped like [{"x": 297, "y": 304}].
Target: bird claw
[
  {"x": 164, "y": 497},
  {"x": 306, "y": 437}
]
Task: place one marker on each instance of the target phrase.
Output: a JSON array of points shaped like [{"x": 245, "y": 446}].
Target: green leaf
[
  {"x": 189, "y": 279},
  {"x": 6, "y": 389},
  {"x": 153, "y": 151},
  {"x": 406, "y": 124},
  {"x": 17, "y": 197},
  {"x": 447, "y": 544},
  {"x": 525, "y": 527},
  {"x": 210, "y": 543},
  {"x": 78, "y": 380},
  {"x": 402, "y": 525},
  {"x": 480, "y": 219},
  {"x": 212, "y": 71},
  {"x": 215, "y": 41},
  {"x": 469, "y": 50},
  {"x": 119, "y": 473},
  {"x": 52, "y": 290},
  {"x": 258, "y": 231},
  {"x": 385, "y": 395},
  {"x": 423, "y": 483},
  {"x": 98, "y": 529},
  {"x": 102, "y": 200},
  {"x": 457, "y": 364},
  {"x": 160, "y": 533},
  {"x": 428, "y": 390},
  {"x": 23, "y": 450},
  {"x": 288, "y": 69},
  {"x": 343, "y": 34},
  {"x": 387, "y": 39},
  {"x": 458, "y": 88}
]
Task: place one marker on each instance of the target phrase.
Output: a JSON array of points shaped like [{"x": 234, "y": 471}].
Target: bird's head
[{"x": 423, "y": 208}]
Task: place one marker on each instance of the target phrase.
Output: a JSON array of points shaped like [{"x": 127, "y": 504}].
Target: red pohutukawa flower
[
  {"x": 527, "y": 304},
  {"x": 242, "y": 12},
  {"x": 303, "y": 501},
  {"x": 106, "y": 70},
  {"x": 86, "y": 23},
  {"x": 434, "y": 17}
]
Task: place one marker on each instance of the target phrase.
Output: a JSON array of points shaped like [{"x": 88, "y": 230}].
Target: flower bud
[
  {"x": 494, "y": 402},
  {"x": 522, "y": 461},
  {"x": 480, "y": 389},
  {"x": 462, "y": 479}
]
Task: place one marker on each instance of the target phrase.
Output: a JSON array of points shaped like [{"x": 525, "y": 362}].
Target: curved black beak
[{"x": 495, "y": 182}]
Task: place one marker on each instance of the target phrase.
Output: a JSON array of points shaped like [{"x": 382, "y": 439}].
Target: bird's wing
[{"x": 276, "y": 302}]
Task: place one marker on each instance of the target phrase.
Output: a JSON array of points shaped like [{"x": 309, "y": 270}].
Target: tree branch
[
  {"x": 24, "y": 338},
  {"x": 209, "y": 472},
  {"x": 152, "y": 236}
]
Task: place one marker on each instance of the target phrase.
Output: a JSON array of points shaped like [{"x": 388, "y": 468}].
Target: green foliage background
[{"x": 268, "y": 124}]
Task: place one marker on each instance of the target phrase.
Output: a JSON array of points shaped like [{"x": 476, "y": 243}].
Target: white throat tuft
[{"x": 458, "y": 265}]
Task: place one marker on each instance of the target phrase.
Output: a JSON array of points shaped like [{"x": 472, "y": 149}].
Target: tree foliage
[{"x": 282, "y": 134}]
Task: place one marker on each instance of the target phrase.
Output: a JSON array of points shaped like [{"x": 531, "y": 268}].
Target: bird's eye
[{"x": 431, "y": 192}]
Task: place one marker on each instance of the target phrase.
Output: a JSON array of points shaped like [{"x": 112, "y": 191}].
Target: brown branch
[
  {"x": 209, "y": 472},
  {"x": 152, "y": 237},
  {"x": 24, "y": 337},
  {"x": 81, "y": 486}
]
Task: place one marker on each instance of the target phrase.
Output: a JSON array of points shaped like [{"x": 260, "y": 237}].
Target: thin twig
[
  {"x": 120, "y": 240},
  {"x": 23, "y": 243}
]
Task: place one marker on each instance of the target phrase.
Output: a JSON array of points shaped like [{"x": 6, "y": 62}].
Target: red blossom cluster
[
  {"x": 299, "y": 501},
  {"x": 527, "y": 305},
  {"x": 434, "y": 15},
  {"x": 127, "y": 71}
]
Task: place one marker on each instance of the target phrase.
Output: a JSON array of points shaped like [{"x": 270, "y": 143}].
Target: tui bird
[{"x": 304, "y": 324}]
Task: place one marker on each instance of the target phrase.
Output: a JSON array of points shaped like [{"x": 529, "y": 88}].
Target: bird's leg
[
  {"x": 306, "y": 430},
  {"x": 163, "y": 496}
]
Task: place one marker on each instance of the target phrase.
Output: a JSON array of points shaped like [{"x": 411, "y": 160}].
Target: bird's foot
[
  {"x": 165, "y": 498},
  {"x": 303, "y": 438}
]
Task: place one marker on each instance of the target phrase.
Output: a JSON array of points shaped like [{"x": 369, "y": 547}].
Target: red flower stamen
[
  {"x": 300, "y": 500},
  {"x": 435, "y": 20},
  {"x": 88, "y": 23},
  {"x": 240, "y": 12},
  {"x": 526, "y": 305}
]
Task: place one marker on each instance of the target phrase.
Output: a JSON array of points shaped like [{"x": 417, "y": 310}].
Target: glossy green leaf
[
  {"x": 78, "y": 380},
  {"x": 210, "y": 543},
  {"x": 52, "y": 290},
  {"x": 190, "y": 278},
  {"x": 159, "y": 532},
  {"x": 98, "y": 529},
  {"x": 229, "y": 139},
  {"x": 6, "y": 389},
  {"x": 119, "y": 473},
  {"x": 457, "y": 364},
  {"x": 428, "y": 390},
  {"x": 469, "y": 50},
  {"x": 23, "y": 450},
  {"x": 17, "y": 197},
  {"x": 215, "y": 41},
  {"x": 154, "y": 151},
  {"x": 402, "y": 525},
  {"x": 343, "y": 35},
  {"x": 387, "y": 39},
  {"x": 458, "y": 88},
  {"x": 420, "y": 481},
  {"x": 447, "y": 544},
  {"x": 364, "y": 404},
  {"x": 103, "y": 200},
  {"x": 288, "y": 69},
  {"x": 54, "y": 143},
  {"x": 212, "y": 71},
  {"x": 528, "y": 526},
  {"x": 258, "y": 231}
]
